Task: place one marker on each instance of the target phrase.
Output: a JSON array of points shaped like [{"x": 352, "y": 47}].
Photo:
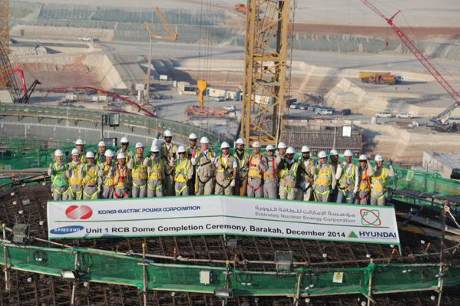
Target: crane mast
[
  {"x": 410, "y": 44},
  {"x": 266, "y": 50}
]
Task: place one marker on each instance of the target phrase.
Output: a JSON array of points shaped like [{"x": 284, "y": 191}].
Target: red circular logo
[{"x": 76, "y": 212}]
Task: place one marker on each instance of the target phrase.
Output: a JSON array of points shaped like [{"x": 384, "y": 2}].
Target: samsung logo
[{"x": 66, "y": 229}]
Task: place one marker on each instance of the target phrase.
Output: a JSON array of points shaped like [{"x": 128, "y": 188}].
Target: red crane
[{"x": 410, "y": 44}]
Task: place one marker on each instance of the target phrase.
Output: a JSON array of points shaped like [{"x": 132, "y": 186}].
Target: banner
[{"x": 217, "y": 215}]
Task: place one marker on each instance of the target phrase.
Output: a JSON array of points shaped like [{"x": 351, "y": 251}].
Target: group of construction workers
[{"x": 172, "y": 169}]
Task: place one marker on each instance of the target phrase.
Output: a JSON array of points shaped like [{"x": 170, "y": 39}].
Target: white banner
[{"x": 216, "y": 215}]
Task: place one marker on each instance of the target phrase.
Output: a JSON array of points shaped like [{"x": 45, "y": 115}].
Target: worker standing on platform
[
  {"x": 106, "y": 178},
  {"x": 306, "y": 174},
  {"x": 324, "y": 180},
  {"x": 204, "y": 169},
  {"x": 183, "y": 172},
  {"x": 168, "y": 151},
  {"x": 100, "y": 154},
  {"x": 288, "y": 170},
  {"x": 365, "y": 174},
  {"x": 80, "y": 146},
  {"x": 226, "y": 171},
  {"x": 155, "y": 173},
  {"x": 379, "y": 181},
  {"x": 242, "y": 159},
  {"x": 270, "y": 176},
  {"x": 90, "y": 178},
  {"x": 138, "y": 173},
  {"x": 257, "y": 164},
  {"x": 74, "y": 177},
  {"x": 193, "y": 151},
  {"x": 124, "y": 148},
  {"x": 334, "y": 162},
  {"x": 347, "y": 177},
  {"x": 122, "y": 178},
  {"x": 57, "y": 171}
]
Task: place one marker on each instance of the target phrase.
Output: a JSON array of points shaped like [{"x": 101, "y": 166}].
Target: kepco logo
[
  {"x": 78, "y": 212},
  {"x": 370, "y": 217}
]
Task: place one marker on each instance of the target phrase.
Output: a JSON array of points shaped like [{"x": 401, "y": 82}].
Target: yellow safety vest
[
  {"x": 324, "y": 176},
  {"x": 182, "y": 170},
  {"x": 139, "y": 171},
  {"x": 288, "y": 176},
  {"x": 58, "y": 177},
  {"x": 379, "y": 181},
  {"x": 254, "y": 162},
  {"x": 242, "y": 165},
  {"x": 75, "y": 173},
  {"x": 90, "y": 175},
  {"x": 224, "y": 167},
  {"x": 121, "y": 177},
  {"x": 364, "y": 181},
  {"x": 108, "y": 172},
  {"x": 347, "y": 179},
  {"x": 168, "y": 152},
  {"x": 155, "y": 170}
]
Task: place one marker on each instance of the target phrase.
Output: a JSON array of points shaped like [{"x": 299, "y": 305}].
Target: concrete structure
[{"x": 444, "y": 163}]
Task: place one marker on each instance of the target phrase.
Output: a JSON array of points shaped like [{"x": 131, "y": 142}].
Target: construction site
[{"x": 368, "y": 76}]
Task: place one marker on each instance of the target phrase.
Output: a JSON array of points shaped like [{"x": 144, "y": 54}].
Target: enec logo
[
  {"x": 370, "y": 217},
  {"x": 79, "y": 212}
]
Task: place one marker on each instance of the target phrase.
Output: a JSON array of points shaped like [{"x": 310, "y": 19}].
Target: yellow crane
[{"x": 170, "y": 35}]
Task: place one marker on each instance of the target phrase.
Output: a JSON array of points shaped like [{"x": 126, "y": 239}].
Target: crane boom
[{"x": 410, "y": 44}]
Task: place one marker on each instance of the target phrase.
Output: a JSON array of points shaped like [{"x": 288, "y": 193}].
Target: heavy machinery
[
  {"x": 386, "y": 78},
  {"x": 171, "y": 35},
  {"x": 266, "y": 53},
  {"x": 410, "y": 44}
]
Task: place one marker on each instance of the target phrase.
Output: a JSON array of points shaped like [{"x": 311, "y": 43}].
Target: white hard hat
[
  {"x": 167, "y": 133},
  {"x": 305, "y": 149},
  {"x": 139, "y": 145},
  {"x": 121, "y": 155},
  {"x": 75, "y": 152},
  {"x": 155, "y": 149},
  {"x": 270, "y": 148},
  {"x": 282, "y": 145},
  {"x": 58, "y": 153},
  {"x": 89, "y": 154},
  {"x": 239, "y": 141},
  {"x": 224, "y": 145},
  {"x": 108, "y": 153},
  {"x": 290, "y": 150},
  {"x": 204, "y": 140},
  {"x": 333, "y": 152},
  {"x": 322, "y": 154},
  {"x": 79, "y": 141},
  {"x": 181, "y": 149},
  {"x": 192, "y": 136},
  {"x": 363, "y": 157},
  {"x": 124, "y": 140},
  {"x": 256, "y": 144},
  {"x": 347, "y": 153},
  {"x": 101, "y": 144},
  {"x": 378, "y": 157}
]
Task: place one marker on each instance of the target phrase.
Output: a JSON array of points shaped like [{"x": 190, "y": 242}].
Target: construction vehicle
[
  {"x": 386, "y": 78},
  {"x": 442, "y": 117}
]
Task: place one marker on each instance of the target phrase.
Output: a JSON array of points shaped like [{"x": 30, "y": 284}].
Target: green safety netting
[{"x": 116, "y": 268}]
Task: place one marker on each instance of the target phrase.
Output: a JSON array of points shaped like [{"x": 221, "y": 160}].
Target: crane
[
  {"x": 171, "y": 35},
  {"x": 410, "y": 44}
]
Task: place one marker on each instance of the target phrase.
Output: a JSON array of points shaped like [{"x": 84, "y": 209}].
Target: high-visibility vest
[
  {"x": 58, "y": 176},
  {"x": 99, "y": 158},
  {"x": 224, "y": 168},
  {"x": 254, "y": 163},
  {"x": 155, "y": 169},
  {"x": 242, "y": 165},
  {"x": 139, "y": 171},
  {"x": 121, "y": 177},
  {"x": 347, "y": 178},
  {"x": 168, "y": 151},
  {"x": 205, "y": 167},
  {"x": 90, "y": 175},
  {"x": 324, "y": 175},
  {"x": 288, "y": 176},
  {"x": 108, "y": 174},
  {"x": 75, "y": 175},
  {"x": 364, "y": 181},
  {"x": 270, "y": 173},
  {"x": 380, "y": 179},
  {"x": 182, "y": 170},
  {"x": 308, "y": 167}
]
